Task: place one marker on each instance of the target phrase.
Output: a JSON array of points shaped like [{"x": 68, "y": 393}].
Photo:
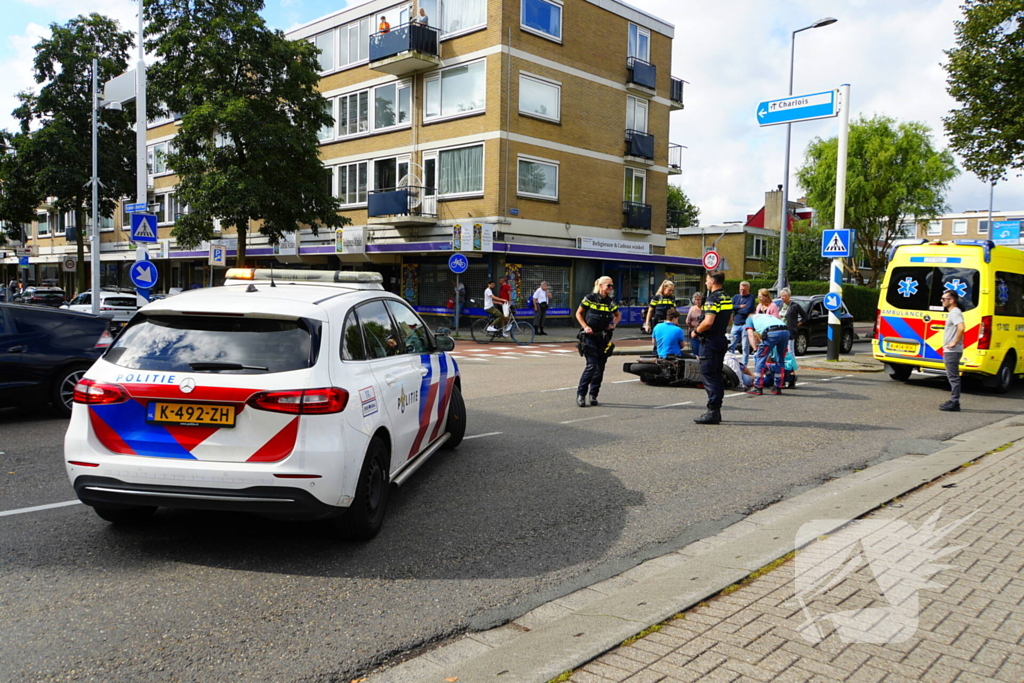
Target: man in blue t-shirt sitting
[{"x": 668, "y": 336}]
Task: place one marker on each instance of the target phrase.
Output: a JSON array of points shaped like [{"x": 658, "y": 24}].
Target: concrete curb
[{"x": 570, "y": 631}]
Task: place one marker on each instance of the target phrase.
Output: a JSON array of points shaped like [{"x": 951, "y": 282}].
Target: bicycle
[{"x": 522, "y": 333}]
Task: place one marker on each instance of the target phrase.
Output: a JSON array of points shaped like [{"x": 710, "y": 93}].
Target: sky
[{"x": 733, "y": 53}]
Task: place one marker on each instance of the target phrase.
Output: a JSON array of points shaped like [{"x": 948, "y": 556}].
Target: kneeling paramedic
[
  {"x": 767, "y": 332},
  {"x": 668, "y": 336},
  {"x": 598, "y": 314},
  {"x": 714, "y": 342}
]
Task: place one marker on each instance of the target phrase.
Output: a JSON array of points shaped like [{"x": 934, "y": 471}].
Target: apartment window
[
  {"x": 354, "y": 113},
  {"x": 636, "y": 114},
  {"x": 540, "y": 97},
  {"x": 455, "y": 91},
  {"x": 325, "y": 41},
  {"x": 639, "y": 43},
  {"x": 538, "y": 178},
  {"x": 352, "y": 183},
  {"x": 156, "y": 158},
  {"x": 908, "y": 229},
  {"x": 165, "y": 208},
  {"x": 636, "y": 185},
  {"x": 934, "y": 227},
  {"x": 106, "y": 223},
  {"x": 354, "y": 42},
  {"x": 959, "y": 227},
  {"x": 543, "y": 17},
  {"x": 982, "y": 227},
  {"x": 63, "y": 221},
  {"x": 461, "y": 171},
  {"x": 42, "y": 229},
  {"x": 327, "y": 132},
  {"x": 462, "y": 15},
  {"x": 391, "y": 105},
  {"x": 758, "y": 247}
]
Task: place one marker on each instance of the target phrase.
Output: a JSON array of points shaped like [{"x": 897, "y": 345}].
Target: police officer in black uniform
[
  {"x": 657, "y": 309},
  {"x": 714, "y": 343},
  {"x": 598, "y": 314}
]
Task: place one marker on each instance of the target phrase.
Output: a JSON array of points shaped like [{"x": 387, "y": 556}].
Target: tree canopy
[
  {"x": 681, "y": 211},
  {"x": 803, "y": 255},
  {"x": 893, "y": 171},
  {"x": 247, "y": 146},
  {"x": 986, "y": 76},
  {"x": 54, "y": 151}
]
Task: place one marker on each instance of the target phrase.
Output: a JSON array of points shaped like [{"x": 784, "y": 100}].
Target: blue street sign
[
  {"x": 1006, "y": 232},
  {"x": 819, "y": 105},
  {"x": 143, "y": 227},
  {"x": 143, "y": 274},
  {"x": 458, "y": 263},
  {"x": 135, "y": 208},
  {"x": 833, "y": 301},
  {"x": 23, "y": 261},
  {"x": 836, "y": 243}
]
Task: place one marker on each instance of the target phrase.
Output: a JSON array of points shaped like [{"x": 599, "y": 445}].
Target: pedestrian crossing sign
[
  {"x": 143, "y": 227},
  {"x": 836, "y": 243}
]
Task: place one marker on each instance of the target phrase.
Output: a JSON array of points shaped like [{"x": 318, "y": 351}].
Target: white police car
[{"x": 293, "y": 394}]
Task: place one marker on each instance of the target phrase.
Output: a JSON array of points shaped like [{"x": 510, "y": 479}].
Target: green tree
[
  {"x": 986, "y": 76},
  {"x": 681, "y": 211},
  {"x": 56, "y": 124},
  {"x": 803, "y": 255},
  {"x": 19, "y": 196},
  {"x": 247, "y": 147},
  {"x": 893, "y": 171}
]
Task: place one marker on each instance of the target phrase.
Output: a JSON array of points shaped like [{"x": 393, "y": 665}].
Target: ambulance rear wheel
[
  {"x": 1001, "y": 383},
  {"x": 900, "y": 373}
]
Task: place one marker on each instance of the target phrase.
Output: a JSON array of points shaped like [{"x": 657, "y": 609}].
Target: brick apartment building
[{"x": 533, "y": 133}]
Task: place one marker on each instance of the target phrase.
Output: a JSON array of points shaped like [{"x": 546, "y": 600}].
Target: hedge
[{"x": 861, "y": 301}]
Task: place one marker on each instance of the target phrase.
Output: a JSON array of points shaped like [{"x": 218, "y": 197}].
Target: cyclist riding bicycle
[{"x": 491, "y": 305}]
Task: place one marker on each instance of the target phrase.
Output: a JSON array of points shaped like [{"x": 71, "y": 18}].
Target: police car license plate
[
  {"x": 901, "y": 348},
  {"x": 191, "y": 414}
]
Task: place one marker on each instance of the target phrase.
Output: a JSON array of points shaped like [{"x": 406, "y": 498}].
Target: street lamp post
[
  {"x": 94, "y": 256},
  {"x": 782, "y": 280}
]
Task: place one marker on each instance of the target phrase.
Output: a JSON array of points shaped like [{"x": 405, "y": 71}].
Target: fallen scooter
[{"x": 674, "y": 371}]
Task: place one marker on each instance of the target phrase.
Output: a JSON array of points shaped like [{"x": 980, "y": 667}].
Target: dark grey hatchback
[
  {"x": 44, "y": 352},
  {"x": 814, "y": 330}
]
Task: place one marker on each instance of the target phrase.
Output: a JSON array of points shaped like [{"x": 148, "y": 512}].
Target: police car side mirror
[{"x": 444, "y": 343}]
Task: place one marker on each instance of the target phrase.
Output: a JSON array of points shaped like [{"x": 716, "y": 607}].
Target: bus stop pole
[{"x": 836, "y": 271}]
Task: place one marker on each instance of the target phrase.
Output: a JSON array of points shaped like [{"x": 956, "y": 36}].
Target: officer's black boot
[
  {"x": 581, "y": 400},
  {"x": 593, "y": 400},
  {"x": 712, "y": 417}
]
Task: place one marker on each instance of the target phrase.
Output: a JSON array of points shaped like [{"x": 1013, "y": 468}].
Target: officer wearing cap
[{"x": 712, "y": 332}]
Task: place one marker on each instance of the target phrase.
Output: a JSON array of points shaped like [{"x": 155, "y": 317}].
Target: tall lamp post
[
  {"x": 782, "y": 280},
  {"x": 94, "y": 257}
]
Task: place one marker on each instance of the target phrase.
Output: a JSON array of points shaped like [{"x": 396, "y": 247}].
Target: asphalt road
[{"x": 547, "y": 498}]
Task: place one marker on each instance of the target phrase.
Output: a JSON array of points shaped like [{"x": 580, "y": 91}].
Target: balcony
[
  {"x": 676, "y": 94},
  {"x": 675, "y": 159},
  {"x": 639, "y": 147},
  {"x": 402, "y": 206},
  {"x": 643, "y": 76},
  {"x": 405, "y": 50},
  {"x": 636, "y": 216}
]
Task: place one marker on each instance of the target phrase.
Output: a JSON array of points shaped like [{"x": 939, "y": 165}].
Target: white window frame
[
  {"x": 168, "y": 208},
  {"x": 537, "y": 31},
  {"x": 436, "y": 77},
  {"x": 639, "y": 31},
  {"x": 960, "y": 227},
  {"x": 151, "y": 153},
  {"x": 337, "y": 183},
  {"x": 372, "y": 104},
  {"x": 934, "y": 227},
  {"x": 483, "y": 172},
  {"x": 354, "y": 96},
  {"x": 61, "y": 228},
  {"x": 332, "y": 103},
  {"x": 983, "y": 226},
  {"x": 43, "y": 230},
  {"x": 637, "y": 172},
  {"x": 758, "y": 247},
  {"x": 462, "y": 30},
  {"x": 632, "y": 105},
  {"x": 334, "y": 40},
  {"x": 544, "y": 162},
  {"x": 523, "y": 75}
]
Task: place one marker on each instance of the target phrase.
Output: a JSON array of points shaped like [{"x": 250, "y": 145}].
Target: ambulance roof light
[
  {"x": 903, "y": 243},
  {"x": 333, "y": 276},
  {"x": 987, "y": 245}
]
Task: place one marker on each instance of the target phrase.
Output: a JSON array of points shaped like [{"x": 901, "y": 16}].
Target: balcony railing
[
  {"x": 636, "y": 215},
  {"x": 676, "y": 93},
  {"x": 405, "y": 49},
  {"x": 642, "y": 73},
  {"x": 675, "y": 158},
  {"x": 403, "y": 202},
  {"x": 639, "y": 144}
]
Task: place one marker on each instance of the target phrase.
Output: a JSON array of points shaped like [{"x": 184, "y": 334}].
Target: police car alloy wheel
[{"x": 289, "y": 394}]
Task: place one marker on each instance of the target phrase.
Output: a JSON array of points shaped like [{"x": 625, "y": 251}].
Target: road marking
[
  {"x": 480, "y": 436},
  {"x": 623, "y": 381},
  {"x": 545, "y": 391},
  {"x": 37, "y": 508},
  {"x": 582, "y": 419},
  {"x": 799, "y": 384},
  {"x": 562, "y": 351},
  {"x": 672, "y": 405}
]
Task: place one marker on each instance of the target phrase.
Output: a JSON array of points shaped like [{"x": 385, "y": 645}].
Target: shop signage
[
  {"x": 617, "y": 246},
  {"x": 350, "y": 241},
  {"x": 479, "y": 237}
]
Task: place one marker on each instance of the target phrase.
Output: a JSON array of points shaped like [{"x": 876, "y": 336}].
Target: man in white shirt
[
  {"x": 541, "y": 302},
  {"x": 952, "y": 348},
  {"x": 491, "y": 303}
]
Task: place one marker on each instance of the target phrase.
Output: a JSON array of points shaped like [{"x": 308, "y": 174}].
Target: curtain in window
[
  {"x": 458, "y": 15},
  {"x": 462, "y": 170}
]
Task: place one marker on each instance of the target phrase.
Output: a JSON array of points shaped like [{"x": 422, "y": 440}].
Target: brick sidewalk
[{"x": 936, "y": 616}]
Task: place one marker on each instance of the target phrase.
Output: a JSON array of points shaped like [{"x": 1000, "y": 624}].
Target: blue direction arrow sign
[
  {"x": 836, "y": 243},
  {"x": 143, "y": 227},
  {"x": 819, "y": 105},
  {"x": 143, "y": 274},
  {"x": 833, "y": 301},
  {"x": 458, "y": 263}
]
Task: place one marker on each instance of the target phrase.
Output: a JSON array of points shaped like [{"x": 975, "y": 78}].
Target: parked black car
[
  {"x": 814, "y": 330},
  {"x": 44, "y": 352},
  {"x": 42, "y": 296}
]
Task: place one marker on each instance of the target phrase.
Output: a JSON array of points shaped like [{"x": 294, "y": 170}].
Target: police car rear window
[
  {"x": 919, "y": 288},
  {"x": 217, "y": 344}
]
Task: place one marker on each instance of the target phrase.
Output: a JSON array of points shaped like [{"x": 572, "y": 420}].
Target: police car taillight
[
  {"x": 985, "y": 333},
  {"x": 93, "y": 393},
  {"x": 302, "y": 401}
]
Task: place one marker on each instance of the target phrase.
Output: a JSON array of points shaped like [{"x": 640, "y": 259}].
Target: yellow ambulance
[{"x": 909, "y": 324}]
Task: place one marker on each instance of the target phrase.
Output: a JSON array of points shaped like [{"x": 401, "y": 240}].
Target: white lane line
[
  {"x": 562, "y": 351},
  {"x": 672, "y": 405},
  {"x": 480, "y": 436},
  {"x": 799, "y": 384},
  {"x": 739, "y": 393},
  {"x": 582, "y": 419},
  {"x": 545, "y": 391},
  {"x": 623, "y": 381},
  {"x": 37, "y": 508}
]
